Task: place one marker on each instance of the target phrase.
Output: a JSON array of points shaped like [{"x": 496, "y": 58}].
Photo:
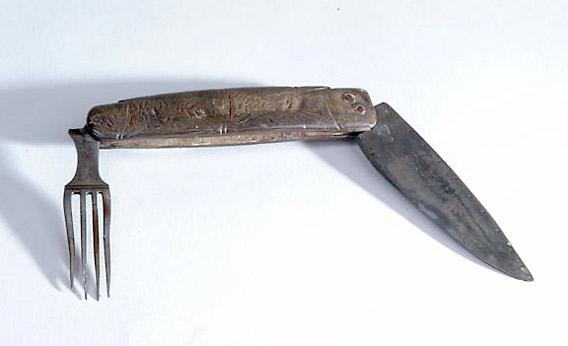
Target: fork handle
[{"x": 231, "y": 116}]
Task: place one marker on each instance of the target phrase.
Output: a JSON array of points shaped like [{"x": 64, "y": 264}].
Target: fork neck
[{"x": 87, "y": 147}]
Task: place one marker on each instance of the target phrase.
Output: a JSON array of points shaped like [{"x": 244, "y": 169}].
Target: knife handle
[{"x": 231, "y": 116}]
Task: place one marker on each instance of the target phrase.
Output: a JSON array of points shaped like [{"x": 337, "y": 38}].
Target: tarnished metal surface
[
  {"x": 87, "y": 182},
  {"x": 231, "y": 116},
  {"x": 414, "y": 168},
  {"x": 260, "y": 115}
]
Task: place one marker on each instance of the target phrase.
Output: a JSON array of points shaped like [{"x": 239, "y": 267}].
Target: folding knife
[{"x": 261, "y": 115}]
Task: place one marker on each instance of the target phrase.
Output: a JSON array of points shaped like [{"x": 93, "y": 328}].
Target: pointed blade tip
[
  {"x": 517, "y": 270},
  {"x": 522, "y": 276},
  {"x": 525, "y": 275}
]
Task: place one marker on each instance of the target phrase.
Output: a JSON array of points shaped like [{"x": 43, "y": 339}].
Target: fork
[{"x": 87, "y": 182}]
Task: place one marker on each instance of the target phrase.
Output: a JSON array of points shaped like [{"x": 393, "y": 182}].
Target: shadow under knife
[{"x": 34, "y": 221}]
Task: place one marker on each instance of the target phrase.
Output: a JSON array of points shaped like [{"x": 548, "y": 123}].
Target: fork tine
[
  {"x": 84, "y": 240},
  {"x": 94, "y": 196},
  {"x": 70, "y": 238},
  {"x": 106, "y": 236}
]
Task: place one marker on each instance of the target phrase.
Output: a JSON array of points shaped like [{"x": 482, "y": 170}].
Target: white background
[{"x": 294, "y": 243}]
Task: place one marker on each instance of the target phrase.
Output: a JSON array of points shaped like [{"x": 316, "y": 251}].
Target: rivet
[
  {"x": 361, "y": 109},
  {"x": 348, "y": 97}
]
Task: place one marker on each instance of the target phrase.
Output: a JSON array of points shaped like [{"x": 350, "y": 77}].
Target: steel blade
[{"x": 418, "y": 172}]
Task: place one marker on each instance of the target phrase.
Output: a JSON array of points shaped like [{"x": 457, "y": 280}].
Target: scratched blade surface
[{"x": 414, "y": 168}]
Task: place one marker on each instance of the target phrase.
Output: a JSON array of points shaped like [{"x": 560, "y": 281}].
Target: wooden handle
[{"x": 231, "y": 116}]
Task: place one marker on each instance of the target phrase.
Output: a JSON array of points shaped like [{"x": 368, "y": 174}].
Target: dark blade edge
[{"x": 419, "y": 173}]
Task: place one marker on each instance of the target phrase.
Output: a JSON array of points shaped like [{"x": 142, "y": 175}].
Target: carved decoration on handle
[{"x": 247, "y": 115}]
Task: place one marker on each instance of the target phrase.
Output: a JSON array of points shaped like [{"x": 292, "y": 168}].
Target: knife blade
[{"x": 401, "y": 155}]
